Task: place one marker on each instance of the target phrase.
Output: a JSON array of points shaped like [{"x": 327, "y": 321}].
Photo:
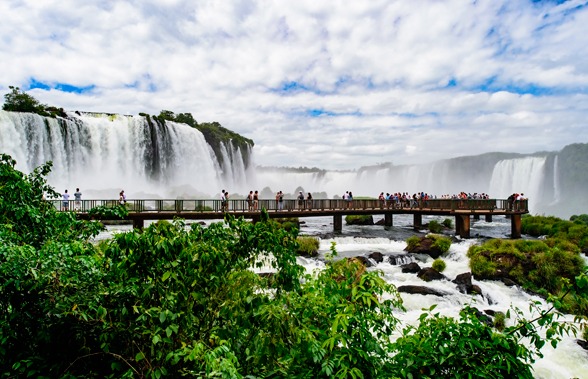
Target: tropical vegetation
[{"x": 174, "y": 301}]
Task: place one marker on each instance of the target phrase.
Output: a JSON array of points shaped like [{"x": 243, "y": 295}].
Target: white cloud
[{"x": 406, "y": 82}]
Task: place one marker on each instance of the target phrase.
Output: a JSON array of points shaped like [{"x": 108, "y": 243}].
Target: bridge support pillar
[
  {"x": 515, "y": 226},
  {"x": 462, "y": 225},
  {"x": 488, "y": 218},
  {"x": 138, "y": 224},
  {"x": 337, "y": 223},
  {"x": 388, "y": 220},
  {"x": 476, "y": 217},
  {"x": 255, "y": 219},
  {"x": 418, "y": 220}
]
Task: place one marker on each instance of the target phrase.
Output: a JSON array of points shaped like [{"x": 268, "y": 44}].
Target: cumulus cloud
[{"x": 334, "y": 85}]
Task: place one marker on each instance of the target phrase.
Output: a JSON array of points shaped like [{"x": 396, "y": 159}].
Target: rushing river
[{"x": 569, "y": 360}]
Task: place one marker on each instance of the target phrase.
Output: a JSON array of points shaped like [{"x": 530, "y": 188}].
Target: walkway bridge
[{"x": 206, "y": 209}]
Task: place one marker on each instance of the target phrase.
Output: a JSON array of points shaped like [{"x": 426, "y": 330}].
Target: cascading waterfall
[
  {"x": 102, "y": 154},
  {"x": 523, "y": 175},
  {"x": 556, "y": 186}
]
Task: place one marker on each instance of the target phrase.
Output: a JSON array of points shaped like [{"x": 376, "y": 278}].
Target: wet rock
[
  {"x": 428, "y": 274},
  {"x": 583, "y": 344},
  {"x": 420, "y": 290},
  {"x": 377, "y": 256},
  {"x": 411, "y": 268},
  {"x": 364, "y": 260}
]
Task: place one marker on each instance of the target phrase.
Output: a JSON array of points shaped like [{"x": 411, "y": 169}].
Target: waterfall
[
  {"x": 556, "y": 185},
  {"x": 523, "y": 175},
  {"x": 102, "y": 154}
]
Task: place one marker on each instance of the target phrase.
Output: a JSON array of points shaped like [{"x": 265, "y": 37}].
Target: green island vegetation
[
  {"x": 307, "y": 246},
  {"x": 359, "y": 219},
  {"x": 439, "y": 265},
  {"x": 172, "y": 301},
  {"x": 435, "y": 242},
  {"x": 544, "y": 266}
]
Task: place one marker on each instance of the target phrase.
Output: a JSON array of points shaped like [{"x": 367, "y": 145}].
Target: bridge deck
[{"x": 165, "y": 209}]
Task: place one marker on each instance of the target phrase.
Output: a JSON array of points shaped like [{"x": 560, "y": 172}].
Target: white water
[
  {"x": 102, "y": 154},
  {"x": 568, "y": 360}
]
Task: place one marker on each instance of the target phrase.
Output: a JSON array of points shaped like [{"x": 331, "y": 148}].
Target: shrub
[
  {"x": 412, "y": 242},
  {"x": 499, "y": 321},
  {"x": 441, "y": 243},
  {"x": 439, "y": 265},
  {"x": 359, "y": 220},
  {"x": 308, "y": 246},
  {"x": 448, "y": 223},
  {"x": 435, "y": 226}
]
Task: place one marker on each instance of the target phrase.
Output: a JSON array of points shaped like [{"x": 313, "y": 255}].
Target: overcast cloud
[{"x": 332, "y": 84}]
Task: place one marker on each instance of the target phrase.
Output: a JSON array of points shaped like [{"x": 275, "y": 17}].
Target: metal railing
[{"x": 243, "y": 205}]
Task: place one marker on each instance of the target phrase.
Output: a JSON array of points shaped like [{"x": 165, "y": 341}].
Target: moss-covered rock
[
  {"x": 541, "y": 266},
  {"x": 359, "y": 220},
  {"x": 433, "y": 245}
]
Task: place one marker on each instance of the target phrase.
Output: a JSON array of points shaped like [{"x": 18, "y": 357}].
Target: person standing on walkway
[
  {"x": 65, "y": 201},
  {"x": 300, "y": 200},
  {"x": 78, "y": 200},
  {"x": 256, "y": 200}
]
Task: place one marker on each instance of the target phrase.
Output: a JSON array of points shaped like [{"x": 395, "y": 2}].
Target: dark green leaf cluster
[{"x": 26, "y": 218}]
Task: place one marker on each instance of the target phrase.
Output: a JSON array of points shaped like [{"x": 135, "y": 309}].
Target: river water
[{"x": 567, "y": 361}]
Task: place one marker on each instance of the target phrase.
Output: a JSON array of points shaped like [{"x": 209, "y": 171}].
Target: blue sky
[{"x": 334, "y": 84}]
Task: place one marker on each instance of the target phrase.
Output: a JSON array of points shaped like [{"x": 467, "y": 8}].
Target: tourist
[
  {"x": 250, "y": 201},
  {"x": 78, "y": 200},
  {"x": 309, "y": 201},
  {"x": 280, "y": 200},
  {"x": 255, "y": 201},
  {"x": 300, "y": 200},
  {"x": 65, "y": 201},
  {"x": 122, "y": 198}
]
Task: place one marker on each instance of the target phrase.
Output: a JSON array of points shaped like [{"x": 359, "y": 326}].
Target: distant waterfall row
[
  {"x": 535, "y": 176},
  {"x": 102, "y": 154}
]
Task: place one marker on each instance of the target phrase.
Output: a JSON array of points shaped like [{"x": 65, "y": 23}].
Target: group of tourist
[
  {"x": 77, "y": 200},
  {"x": 405, "y": 200}
]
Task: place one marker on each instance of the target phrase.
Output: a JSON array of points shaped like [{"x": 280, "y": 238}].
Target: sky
[{"x": 328, "y": 84}]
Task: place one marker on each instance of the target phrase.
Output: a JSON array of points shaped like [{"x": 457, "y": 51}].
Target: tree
[{"x": 20, "y": 101}]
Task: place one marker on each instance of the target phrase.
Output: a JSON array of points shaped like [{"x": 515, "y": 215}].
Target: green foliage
[
  {"x": 359, "y": 219},
  {"x": 469, "y": 347},
  {"x": 439, "y": 265},
  {"x": 534, "y": 264},
  {"x": 20, "y": 101},
  {"x": 441, "y": 243},
  {"x": 499, "y": 321},
  {"x": 307, "y": 246},
  {"x": 173, "y": 301},
  {"x": 26, "y": 218},
  {"x": 448, "y": 223},
  {"x": 435, "y": 226},
  {"x": 412, "y": 242},
  {"x": 109, "y": 212}
]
